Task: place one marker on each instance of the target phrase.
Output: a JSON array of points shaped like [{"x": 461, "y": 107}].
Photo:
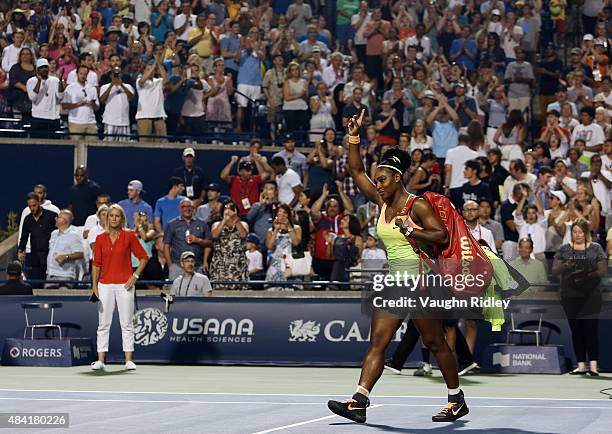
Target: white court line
[
  {"x": 118, "y": 392},
  {"x": 167, "y": 401},
  {"x": 306, "y": 422}
]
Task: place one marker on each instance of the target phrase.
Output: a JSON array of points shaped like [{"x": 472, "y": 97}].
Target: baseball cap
[
  {"x": 316, "y": 49},
  {"x": 113, "y": 29},
  {"x": 213, "y": 186},
  {"x": 561, "y": 88},
  {"x": 189, "y": 151},
  {"x": 496, "y": 12},
  {"x": 460, "y": 84},
  {"x": 560, "y": 160},
  {"x": 135, "y": 184},
  {"x": 187, "y": 254},
  {"x": 560, "y": 195},
  {"x": 588, "y": 37},
  {"x": 42, "y": 62},
  {"x": 576, "y": 50},
  {"x": 129, "y": 16},
  {"x": 253, "y": 238},
  {"x": 14, "y": 268},
  {"x": 288, "y": 137},
  {"x": 429, "y": 94},
  {"x": 246, "y": 165},
  {"x": 599, "y": 98}
]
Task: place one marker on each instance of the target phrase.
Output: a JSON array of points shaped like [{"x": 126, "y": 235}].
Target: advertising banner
[{"x": 48, "y": 352}]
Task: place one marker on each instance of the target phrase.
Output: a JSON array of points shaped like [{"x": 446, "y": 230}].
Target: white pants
[{"x": 110, "y": 294}]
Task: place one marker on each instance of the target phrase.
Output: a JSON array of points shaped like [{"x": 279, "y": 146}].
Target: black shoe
[
  {"x": 389, "y": 366},
  {"x": 353, "y": 408},
  {"x": 591, "y": 373},
  {"x": 578, "y": 372},
  {"x": 452, "y": 411}
]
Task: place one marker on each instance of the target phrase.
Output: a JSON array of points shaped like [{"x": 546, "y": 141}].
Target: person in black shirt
[
  {"x": 115, "y": 62},
  {"x": 549, "y": 71},
  {"x": 354, "y": 108},
  {"x": 193, "y": 178},
  {"x": 511, "y": 235},
  {"x": 387, "y": 124},
  {"x": 83, "y": 196},
  {"x": 474, "y": 189},
  {"x": 38, "y": 226},
  {"x": 15, "y": 285},
  {"x": 498, "y": 172}
]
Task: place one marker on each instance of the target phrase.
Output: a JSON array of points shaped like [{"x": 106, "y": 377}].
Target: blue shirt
[
  {"x": 166, "y": 23},
  {"x": 107, "y": 16},
  {"x": 232, "y": 44},
  {"x": 445, "y": 136},
  {"x": 175, "y": 100},
  {"x": 167, "y": 209},
  {"x": 249, "y": 72},
  {"x": 470, "y": 45},
  {"x": 132, "y": 208}
]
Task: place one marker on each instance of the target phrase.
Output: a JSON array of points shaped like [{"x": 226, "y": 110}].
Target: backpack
[{"x": 463, "y": 255}]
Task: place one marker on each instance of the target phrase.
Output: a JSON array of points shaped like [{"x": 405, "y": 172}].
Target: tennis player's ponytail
[{"x": 396, "y": 160}]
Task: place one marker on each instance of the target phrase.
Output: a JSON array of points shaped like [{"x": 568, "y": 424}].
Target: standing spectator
[
  {"x": 161, "y": 21},
  {"x": 531, "y": 223},
  {"x": 310, "y": 45},
  {"x": 579, "y": 94},
  {"x": 485, "y": 220},
  {"x": 81, "y": 100},
  {"x": 531, "y": 27},
  {"x": 281, "y": 238},
  {"x": 600, "y": 180},
  {"x": 298, "y": 14},
  {"x": 151, "y": 116},
  {"x": 11, "y": 54},
  {"x": 464, "y": 49},
  {"x": 244, "y": 188},
  {"x": 228, "y": 260},
  {"x": 184, "y": 21},
  {"x": 261, "y": 213},
  {"x": 249, "y": 76},
  {"x": 229, "y": 46},
  {"x": 193, "y": 178},
  {"x": 354, "y": 108},
  {"x": 135, "y": 204},
  {"x": 167, "y": 207},
  {"x": 465, "y": 106},
  {"x": 37, "y": 228},
  {"x": 474, "y": 189},
  {"x": 82, "y": 196},
  {"x": 116, "y": 97},
  {"x": 510, "y": 244},
  {"x": 218, "y": 105},
  {"x": 19, "y": 74},
  {"x": 65, "y": 250},
  {"x": 213, "y": 192},
  {"x": 203, "y": 42},
  {"x": 295, "y": 94},
  {"x": 359, "y": 21},
  {"x": 85, "y": 59},
  {"x": 510, "y": 137},
  {"x": 192, "y": 111},
  {"x": 320, "y": 167},
  {"x": 185, "y": 233},
  {"x": 454, "y": 169},
  {"x": 273, "y": 84},
  {"x": 45, "y": 203},
  {"x": 323, "y": 109},
  {"x": 518, "y": 174},
  {"x": 288, "y": 182},
  {"x": 590, "y": 132},
  {"x": 293, "y": 159},
  {"x": 190, "y": 283},
  {"x": 334, "y": 73},
  {"x": 92, "y": 220},
  {"x": 253, "y": 255},
  {"x": 444, "y": 124},
  {"x": 561, "y": 100},
  {"x": 46, "y": 93},
  {"x": 345, "y": 10},
  {"x": 520, "y": 79},
  {"x": 375, "y": 32},
  {"x": 15, "y": 284},
  {"x": 471, "y": 211}
]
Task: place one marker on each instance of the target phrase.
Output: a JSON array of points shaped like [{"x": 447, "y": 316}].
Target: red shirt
[
  {"x": 248, "y": 189},
  {"x": 115, "y": 260},
  {"x": 325, "y": 226}
]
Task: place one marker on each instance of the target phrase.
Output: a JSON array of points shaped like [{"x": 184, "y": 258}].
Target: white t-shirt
[
  {"x": 285, "y": 183},
  {"x": 482, "y": 233},
  {"x": 10, "y": 56},
  {"x": 457, "y": 158},
  {"x": 254, "y": 260},
  {"x": 45, "y": 103},
  {"x": 592, "y": 134},
  {"x": 91, "y": 80},
  {"x": 179, "y": 20},
  {"x": 151, "y": 99},
  {"x": 193, "y": 106},
  {"x": 117, "y": 108},
  {"x": 360, "y": 38},
  {"x": 419, "y": 145},
  {"x": 510, "y": 182},
  {"x": 602, "y": 193},
  {"x": 535, "y": 231},
  {"x": 83, "y": 115}
]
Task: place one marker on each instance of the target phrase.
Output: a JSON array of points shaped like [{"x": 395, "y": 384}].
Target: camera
[{"x": 115, "y": 74}]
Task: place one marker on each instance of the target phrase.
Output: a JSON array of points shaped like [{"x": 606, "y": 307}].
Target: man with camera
[
  {"x": 116, "y": 96},
  {"x": 190, "y": 283},
  {"x": 45, "y": 92}
]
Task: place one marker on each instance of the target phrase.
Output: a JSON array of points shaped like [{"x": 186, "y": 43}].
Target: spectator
[
  {"x": 260, "y": 215},
  {"x": 295, "y": 94},
  {"x": 485, "y": 220},
  {"x": 273, "y": 84},
  {"x": 45, "y": 93},
  {"x": 454, "y": 166},
  {"x": 323, "y": 109},
  {"x": 531, "y": 268},
  {"x": 81, "y": 100},
  {"x": 15, "y": 284},
  {"x": 464, "y": 49},
  {"x": 116, "y": 97},
  {"x": 574, "y": 166},
  {"x": 190, "y": 283},
  {"x": 359, "y": 81},
  {"x": 82, "y": 196},
  {"x": 320, "y": 167},
  {"x": 288, "y": 182},
  {"x": 561, "y": 99},
  {"x": 167, "y": 207},
  {"x": 474, "y": 189},
  {"x": 150, "y": 115},
  {"x": 244, "y": 188},
  {"x": 91, "y": 79},
  {"x": 184, "y": 21},
  {"x": 579, "y": 94},
  {"x": 293, "y": 159},
  {"x": 65, "y": 250},
  {"x": 444, "y": 123},
  {"x": 310, "y": 44},
  {"x": 185, "y": 233},
  {"x": 253, "y": 255},
  {"x": 218, "y": 105},
  {"x": 298, "y": 15},
  {"x": 465, "y": 106},
  {"x": 98, "y": 228},
  {"x": 178, "y": 88},
  {"x": 508, "y": 206},
  {"x": 518, "y": 174},
  {"x": 354, "y": 108},
  {"x": 19, "y": 74},
  {"x": 334, "y": 74},
  {"x": 591, "y": 133},
  {"x": 161, "y": 21},
  {"x": 204, "y": 211},
  {"x": 520, "y": 79},
  {"x": 229, "y": 46},
  {"x": 36, "y": 228},
  {"x": 134, "y": 204},
  {"x": 228, "y": 260},
  {"x": 531, "y": 223},
  {"x": 564, "y": 180},
  {"x": 496, "y": 108},
  {"x": 387, "y": 124},
  {"x": 600, "y": 180},
  {"x": 92, "y": 220},
  {"x": 11, "y": 54},
  {"x": 41, "y": 191},
  {"x": 423, "y": 179},
  {"x": 376, "y": 31},
  {"x": 281, "y": 238},
  {"x": 556, "y": 221},
  {"x": 471, "y": 213},
  {"x": 193, "y": 178},
  {"x": 249, "y": 75},
  {"x": 531, "y": 26},
  {"x": 419, "y": 139}
]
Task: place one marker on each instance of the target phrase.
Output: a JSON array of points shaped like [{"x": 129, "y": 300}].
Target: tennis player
[
  {"x": 423, "y": 224},
  {"x": 113, "y": 282}
]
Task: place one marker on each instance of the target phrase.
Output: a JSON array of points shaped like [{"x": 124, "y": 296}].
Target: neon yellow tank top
[{"x": 400, "y": 253}]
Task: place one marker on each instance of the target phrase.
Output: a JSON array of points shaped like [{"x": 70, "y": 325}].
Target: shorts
[{"x": 252, "y": 92}]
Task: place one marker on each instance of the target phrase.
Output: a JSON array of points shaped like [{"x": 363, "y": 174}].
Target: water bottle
[{"x": 187, "y": 233}]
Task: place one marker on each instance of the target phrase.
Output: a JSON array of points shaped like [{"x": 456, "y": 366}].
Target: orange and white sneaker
[
  {"x": 353, "y": 408},
  {"x": 452, "y": 411}
]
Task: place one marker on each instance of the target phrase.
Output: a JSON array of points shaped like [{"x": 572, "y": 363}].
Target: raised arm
[{"x": 356, "y": 168}]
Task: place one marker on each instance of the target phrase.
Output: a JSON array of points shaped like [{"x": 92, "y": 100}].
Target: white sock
[
  {"x": 454, "y": 391},
  {"x": 362, "y": 390}
]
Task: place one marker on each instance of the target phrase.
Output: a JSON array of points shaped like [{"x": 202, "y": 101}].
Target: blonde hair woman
[
  {"x": 419, "y": 138},
  {"x": 100, "y": 227},
  {"x": 113, "y": 282}
]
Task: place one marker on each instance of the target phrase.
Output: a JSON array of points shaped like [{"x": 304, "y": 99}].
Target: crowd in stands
[{"x": 504, "y": 106}]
